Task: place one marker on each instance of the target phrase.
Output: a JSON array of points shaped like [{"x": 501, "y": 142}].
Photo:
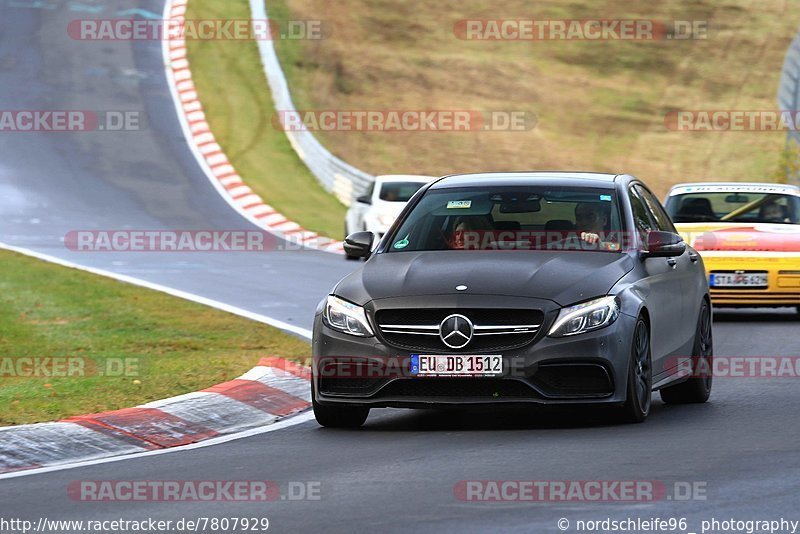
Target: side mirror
[
  {"x": 358, "y": 244},
  {"x": 664, "y": 245},
  {"x": 364, "y": 199}
]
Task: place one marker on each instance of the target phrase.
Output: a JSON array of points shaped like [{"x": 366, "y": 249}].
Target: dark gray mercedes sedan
[{"x": 508, "y": 288}]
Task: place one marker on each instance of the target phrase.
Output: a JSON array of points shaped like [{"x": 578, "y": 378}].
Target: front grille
[
  {"x": 486, "y": 388},
  {"x": 494, "y": 329},
  {"x": 573, "y": 380}
]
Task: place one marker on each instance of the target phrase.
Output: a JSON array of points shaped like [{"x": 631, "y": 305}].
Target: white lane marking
[
  {"x": 172, "y": 81},
  {"x": 303, "y": 332},
  {"x": 290, "y": 421}
]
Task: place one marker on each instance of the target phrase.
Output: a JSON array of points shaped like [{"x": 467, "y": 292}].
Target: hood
[
  {"x": 760, "y": 237},
  {"x": 563, "y": 277}
]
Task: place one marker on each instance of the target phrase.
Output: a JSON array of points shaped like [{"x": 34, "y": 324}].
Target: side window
[
  {"x": 642, "y": 219},
  {"x": 662, "y": 220}
]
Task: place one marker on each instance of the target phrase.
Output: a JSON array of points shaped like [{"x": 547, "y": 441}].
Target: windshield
[
  {"x": 734, "y": 207},
  {"x": 511, "y": 218},
  {"x": 399, "y": 191}
]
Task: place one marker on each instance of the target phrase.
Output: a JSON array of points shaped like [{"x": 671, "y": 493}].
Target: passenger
[{"x": 771, "y": 211}]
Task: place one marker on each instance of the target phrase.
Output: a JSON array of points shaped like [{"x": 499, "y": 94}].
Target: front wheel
[
  {"x": 338, "y": 416},
  {"x": 640, "y": 376},
  {"x": 697, "y": 388}
]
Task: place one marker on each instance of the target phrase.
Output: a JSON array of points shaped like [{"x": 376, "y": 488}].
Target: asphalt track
[
  {"x": 52, "y": 183},
  {"x": 398, "y": 473}
]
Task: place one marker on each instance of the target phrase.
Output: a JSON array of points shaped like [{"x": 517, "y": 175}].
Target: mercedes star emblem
[{"x": 456, "y": 331}]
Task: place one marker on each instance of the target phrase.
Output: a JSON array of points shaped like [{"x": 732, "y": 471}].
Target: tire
[
  {"x": 697, "y": 389},
  {"x": 338, "y": 416},
  {"x": 640, "y": 376}
]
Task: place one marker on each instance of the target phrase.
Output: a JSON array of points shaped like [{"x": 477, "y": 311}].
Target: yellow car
[{"x": 749, "y": 237}]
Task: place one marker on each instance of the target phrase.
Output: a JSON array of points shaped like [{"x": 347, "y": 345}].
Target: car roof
[
  {"x": 404, "y": 178},
  {"x": 733, "y": 187},
  {"x": 551, "y": 178}
]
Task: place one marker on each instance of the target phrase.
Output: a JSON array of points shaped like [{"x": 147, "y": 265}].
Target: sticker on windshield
[
  {"x": 605, "y": 198},
  {"x": 403, "y": 243},
  {"x": 455, "y": 204}
]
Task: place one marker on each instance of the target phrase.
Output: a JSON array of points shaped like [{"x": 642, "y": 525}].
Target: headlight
[
  {"x": 585, "y": 317},
  {"x": 346, "y": 317},
  {"x": 385, "y": 220}
]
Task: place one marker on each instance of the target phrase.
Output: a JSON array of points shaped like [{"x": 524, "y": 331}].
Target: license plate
[
  {"x": 456, "y": 365},
  {"x": 738, "y": 280}
]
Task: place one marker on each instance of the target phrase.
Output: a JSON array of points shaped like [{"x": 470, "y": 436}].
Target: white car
[{"x": 377, "y": 209}]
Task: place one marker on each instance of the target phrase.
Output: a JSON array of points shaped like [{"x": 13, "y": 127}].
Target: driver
[
  {"x": 464, "y": 224},
  {"x": 591, "y": 220}
]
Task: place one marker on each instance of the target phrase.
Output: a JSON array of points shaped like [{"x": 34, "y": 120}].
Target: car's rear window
[
  {"x": 511, "y": 218},
  {"x": 735, "y": 206},
  {"x": 398, "y": 191}
]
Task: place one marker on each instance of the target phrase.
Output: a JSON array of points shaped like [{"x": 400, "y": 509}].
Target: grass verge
[
  {"x": 236, "y": 99},
  {"x": 162, "y": 345},
  {"x": 601, "y": 105}
]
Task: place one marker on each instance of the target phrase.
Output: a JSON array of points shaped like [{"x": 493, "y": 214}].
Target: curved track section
[
  {"x": 403, "y": 470},
  {"x": 52, "y": 183}
]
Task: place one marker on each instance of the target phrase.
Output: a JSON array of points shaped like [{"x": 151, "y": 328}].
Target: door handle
[
  {"x": 694, "y": 257},
  {"x": 672, "y": 262}
]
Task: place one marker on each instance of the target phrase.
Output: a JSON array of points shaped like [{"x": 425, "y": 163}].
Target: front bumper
[{"x": 588, "y": 368}]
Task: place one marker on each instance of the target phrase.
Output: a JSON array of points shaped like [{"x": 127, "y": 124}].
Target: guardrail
[
  {"x": 337, "y": 176},
  {"x": 789, "y": 89},
  {"x": 789, "y": 93},
  {"x": 347, "y": 182}
]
